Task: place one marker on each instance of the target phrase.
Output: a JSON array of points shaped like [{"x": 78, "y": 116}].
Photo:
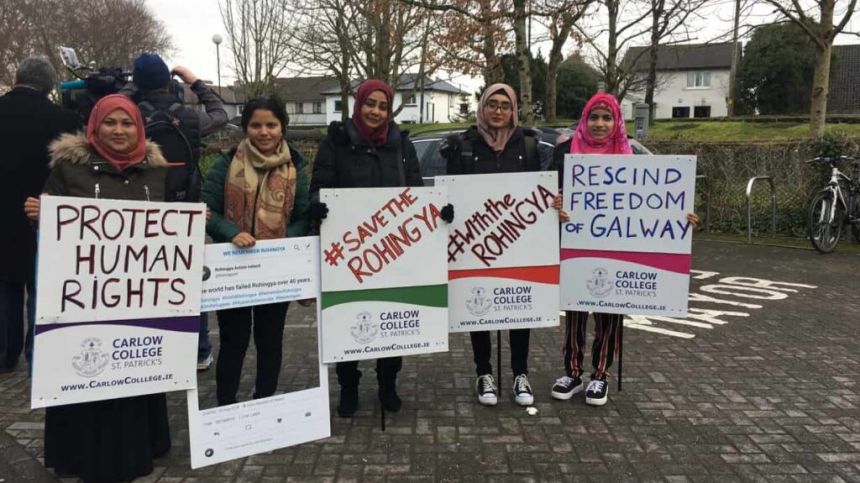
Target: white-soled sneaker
[
  {"x": 597, "y": 392},
  {"x": 488, "y": 393},
  {"x": 523, "y": 391},
  {"x": 205, "y": 364},
  {"x": 565, "y": 387}
]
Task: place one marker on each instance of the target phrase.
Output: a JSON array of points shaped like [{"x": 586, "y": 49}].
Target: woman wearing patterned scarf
[{"x": 257, "y": 191}]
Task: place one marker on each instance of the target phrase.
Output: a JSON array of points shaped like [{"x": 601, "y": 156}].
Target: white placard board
[
  {"x": 384, "y": 273},
  {"x": 118, "y": 299},
  {"x": 503, "y": 251},
  {"x": 627, "y": 246}
]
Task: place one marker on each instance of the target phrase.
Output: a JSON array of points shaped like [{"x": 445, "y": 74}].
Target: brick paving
[{"x": 772, "y": 396}]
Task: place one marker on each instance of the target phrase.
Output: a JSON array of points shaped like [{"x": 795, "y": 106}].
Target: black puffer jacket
[
  {"x": 345, "y": 160},
  {"x": 512, "y": 159}
]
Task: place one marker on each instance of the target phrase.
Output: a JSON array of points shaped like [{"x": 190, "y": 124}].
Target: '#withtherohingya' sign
[
  {"x": 118, "y": 299},
  {"x": 627, "y": 246},
  {"x": 384, "y": 275},
  {"x": 502, "y": 251}
]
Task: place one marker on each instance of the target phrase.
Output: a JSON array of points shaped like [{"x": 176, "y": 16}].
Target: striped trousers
[{"x": 603, "y": 349}]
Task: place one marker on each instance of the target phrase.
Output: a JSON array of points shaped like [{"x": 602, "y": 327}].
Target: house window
[
  {"x": 464, "y": 109},
  {"x": 291, "y": 108},
  {"x": 317, "y": 107},
  {"x": 698, "y": 80},
  {"x": 702, "y": 111},
  {"x": 410, "y": 101},
  {"x": 300, "y": 109},
  {"x": 338, "y": 106},
  {"x": 680, "y": 112}
]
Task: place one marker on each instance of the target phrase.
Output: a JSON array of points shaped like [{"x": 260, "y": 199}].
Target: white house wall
[{"x": 673, "y": 92}]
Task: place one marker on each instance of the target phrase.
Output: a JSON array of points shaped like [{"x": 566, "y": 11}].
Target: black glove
[
  {"x": 318, "y": 211},
  {"x": 447, "y": 213}
]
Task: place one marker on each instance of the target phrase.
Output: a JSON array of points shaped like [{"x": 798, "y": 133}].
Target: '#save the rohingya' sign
[
  {"x": 627, "y": 246},
  {"x": 384, "y": 274},
  {"x": 502, "y": 251},
  {"x": 118, "y": 299}
]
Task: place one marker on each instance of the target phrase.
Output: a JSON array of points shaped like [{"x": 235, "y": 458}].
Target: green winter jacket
[{"x": 222, "y": 230}]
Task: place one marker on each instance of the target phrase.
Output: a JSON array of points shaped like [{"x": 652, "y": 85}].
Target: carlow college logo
[
  {"x": 599, "y": 285},
  {"x": 479, "y": 304},
  {"x": 364, "y": 330},
  {"x": 91, "y": 361}
]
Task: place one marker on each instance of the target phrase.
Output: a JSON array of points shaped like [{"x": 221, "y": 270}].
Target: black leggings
[
  {"x": 235, "y": 327},
  {"x": 482, "y": 347}
]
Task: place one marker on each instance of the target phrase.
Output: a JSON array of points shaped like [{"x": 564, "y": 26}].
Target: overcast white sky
[{"x": 192, "y": 23}]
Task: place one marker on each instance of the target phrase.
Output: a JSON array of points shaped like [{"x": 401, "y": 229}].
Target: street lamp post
[{"x": 217, "y": 40}]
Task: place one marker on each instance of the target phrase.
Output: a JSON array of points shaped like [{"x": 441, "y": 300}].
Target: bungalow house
[
  {"x": 232, "y": 99},
  {"x": 443, "y": 101},
  {"x": 305, "y": 102},
  {"x": 692, "y": 80}
]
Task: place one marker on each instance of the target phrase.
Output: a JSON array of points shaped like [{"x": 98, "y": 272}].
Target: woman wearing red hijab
[
  {"x": 367, "y": 151},
  {"x": 117, "y": 439},
  {"x": 601, "y": 130}
]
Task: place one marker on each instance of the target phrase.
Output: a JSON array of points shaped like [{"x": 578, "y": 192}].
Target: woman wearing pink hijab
[{"x": 601, "y": 130}]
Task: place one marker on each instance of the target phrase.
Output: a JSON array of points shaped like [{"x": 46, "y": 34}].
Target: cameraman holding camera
[{"x": 177, "y": 129}]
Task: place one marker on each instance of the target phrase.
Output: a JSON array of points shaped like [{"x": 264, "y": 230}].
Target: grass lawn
[{"x": 704, "y": 131}]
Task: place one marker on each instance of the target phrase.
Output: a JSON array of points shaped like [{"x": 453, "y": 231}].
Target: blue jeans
[
  {"x": 12, "y": 336},
  {"x": 204, "y": 347}
]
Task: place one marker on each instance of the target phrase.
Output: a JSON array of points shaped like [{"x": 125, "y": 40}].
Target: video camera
[{"x": 80, "y": 95}]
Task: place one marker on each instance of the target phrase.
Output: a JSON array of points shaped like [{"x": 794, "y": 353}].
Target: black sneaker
[
  {"x": 597, "y": 392},
  {"x": 488, "y": 394},
  {"x": 390, "y": 400},
  {"x": 565, "y": 387},
  {"x": 348, "y": 404},
  {"x": 523, "y": 391}
]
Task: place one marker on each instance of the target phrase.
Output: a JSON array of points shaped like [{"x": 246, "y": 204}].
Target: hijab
[
  {"x": 104, "y": 107},
  {"x": 615, "y": 143},
  {"x": 497, "y": 139},
  {"x": 379, "y": 136}
]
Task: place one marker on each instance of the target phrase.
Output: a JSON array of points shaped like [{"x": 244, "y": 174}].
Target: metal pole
[{"x": 218, "y": 60}]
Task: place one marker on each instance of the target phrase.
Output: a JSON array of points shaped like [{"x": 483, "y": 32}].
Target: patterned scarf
[{"x": 260, "y": 191}]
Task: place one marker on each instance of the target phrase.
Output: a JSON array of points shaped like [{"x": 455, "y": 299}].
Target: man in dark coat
[{"x": 29, "y": 121}]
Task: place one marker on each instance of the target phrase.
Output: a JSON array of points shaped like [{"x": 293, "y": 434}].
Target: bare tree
[
  {"x": 668, "y": 18},
  {"x": 40, "y": 26},
  {"x": 622, "y": 23},
  {"x": 823, "y": 32},
  {"x": 562, "y": 15},
  {"x": 260, "y": 34},
  {"x": 472, "y": 36}
]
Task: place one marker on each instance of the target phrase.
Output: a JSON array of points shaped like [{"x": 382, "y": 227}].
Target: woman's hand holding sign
[
  {"x": 693, "y": 219},
  {"x": 562, "y": 215},
  {"x": 244, "y": 240},
  {"x": 31, "y": 208}
]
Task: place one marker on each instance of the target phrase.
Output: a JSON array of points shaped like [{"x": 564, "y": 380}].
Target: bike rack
[
  {"x": 707, "y": 200},
  {"x": 750, "y": 184}
]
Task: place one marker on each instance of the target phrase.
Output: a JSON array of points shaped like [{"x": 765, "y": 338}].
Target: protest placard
[
  {"x": 627, "y": 246},
  {"x": 257, "y": 426},
  {"x": 118, "y": 299},
  {"x": 384, "y": 273},
  {"x": 270, "y": 272},
  {"x": 503, "y": 251}
]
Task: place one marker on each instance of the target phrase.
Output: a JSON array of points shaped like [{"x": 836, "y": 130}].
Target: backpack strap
[
  {"x": 467, "y": 156},
  {"x": 147, "y": 110},
  {"x": 532, "y": 158}
]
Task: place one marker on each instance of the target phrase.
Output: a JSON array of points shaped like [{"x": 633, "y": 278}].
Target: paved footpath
[{"x": 760, "y": 383}]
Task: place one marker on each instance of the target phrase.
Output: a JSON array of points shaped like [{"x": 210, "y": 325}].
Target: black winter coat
[
  {"x": 28, "y": 123},
  {"x": 512, "y": 159},
  {"x": 345, "y": 160}
]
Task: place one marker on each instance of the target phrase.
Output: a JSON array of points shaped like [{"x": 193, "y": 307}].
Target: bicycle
[{"x": 831, "y": 208}]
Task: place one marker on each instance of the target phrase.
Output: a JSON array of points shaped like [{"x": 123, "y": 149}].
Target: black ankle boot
[
  {"x": 390, "y": 400},
  {"x": 348, "y": 404}
]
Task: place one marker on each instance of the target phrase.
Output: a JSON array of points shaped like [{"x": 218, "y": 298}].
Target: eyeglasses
[{"x": 498, "y": 106}]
